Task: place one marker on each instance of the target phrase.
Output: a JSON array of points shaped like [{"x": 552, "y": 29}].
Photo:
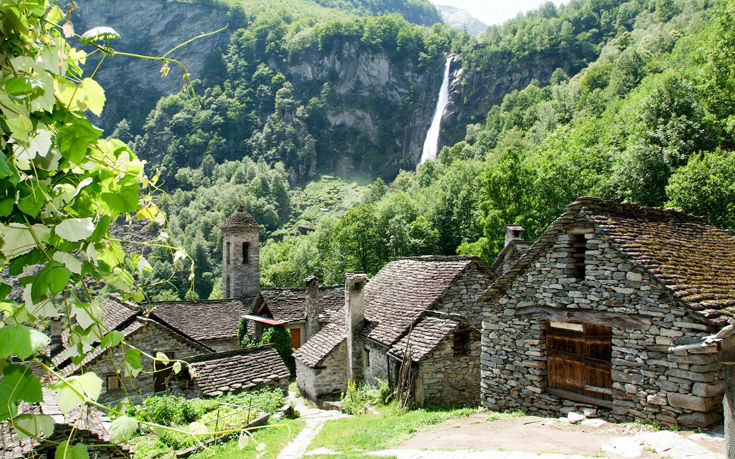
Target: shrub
[
  {"x": 268, "y": 400},
  {"x": 165, "y": 409},
  {"x": 356, "y": 399},
  {"x": 150, "y": 448}
]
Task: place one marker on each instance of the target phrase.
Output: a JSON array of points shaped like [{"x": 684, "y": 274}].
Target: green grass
[
  {"x": 390, "y": 427},
  {"x": 274, "y": 437}
]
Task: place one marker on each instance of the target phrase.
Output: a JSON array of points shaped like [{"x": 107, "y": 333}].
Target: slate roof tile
[
  {"x": 85, "y": 420},
  {"x": 241, "y": 219},
  {"x": 405, "y": 288},
  {"x": 316, "y": 349},
  {"x": 233, "y": 371},
  {"x": 203, "y": 320},
  {"x": 288, "y": 304},
  {"x": 424, "y": 337}
]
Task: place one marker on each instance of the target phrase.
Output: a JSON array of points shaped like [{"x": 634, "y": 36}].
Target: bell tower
[{"x": 240, "y": 255}]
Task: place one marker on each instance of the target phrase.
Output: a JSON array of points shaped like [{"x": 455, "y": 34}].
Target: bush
[
  {"x": 150, "y": 448},
  {"x": 165, "y": 409},
  {"x": 268, "y": 400},
  {"x": 356, "y": 399}
]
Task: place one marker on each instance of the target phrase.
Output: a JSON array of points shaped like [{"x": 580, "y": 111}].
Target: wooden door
[
  {"x": 295, "y": 338},
  {"x": 579, "y": 358}
]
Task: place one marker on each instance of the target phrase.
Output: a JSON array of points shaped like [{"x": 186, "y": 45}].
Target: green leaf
[
  {"x": 91, "y": 96},
  {"x": 197, "y": 428},
  {"x": 176, "y": 368},
  {"x": 123, "y": 429},
  {"x": 18, "y": 383},
  {"x": 67, "y": 451},
  {"x": 243, "y": 440},
  {"x": 36, "y": 425},
  {"x": 132, "y": 362},
  {"x": 16, "y": 239},
  {"x": 67, "y": 393},
  {"x": 75, "y": 229},
  {"x": 21, "y": 341},
  {"x": 5, "y": 290},
  {"x": 4, "y": 168},
  {"x": 74, "y": 139},
  {"x": 20, "y": 86},
  {"x": 87, "y": 314},
  {"x": 69, "y": 261},
  {"x": 53, "y": 277},
  {"x": 112, "y": 339},
  {"x": 99, "y": 33}
]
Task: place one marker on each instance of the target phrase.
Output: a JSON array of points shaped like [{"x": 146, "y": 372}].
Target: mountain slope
[{"x": 461, "y": 19}]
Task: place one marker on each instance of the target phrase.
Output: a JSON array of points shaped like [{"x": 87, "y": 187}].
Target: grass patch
[
  {"x": 504, "y": 416},
  {"x": 274, "y": 438},
  {"x": 390, "y": 427}
]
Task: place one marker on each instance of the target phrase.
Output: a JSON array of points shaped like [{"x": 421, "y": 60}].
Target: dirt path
[
  {"x": 315, "y": 419},
  {"x": 557, "y": 438}
]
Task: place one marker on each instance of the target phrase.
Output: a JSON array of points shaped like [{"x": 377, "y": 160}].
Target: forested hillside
[{"x": 623, "y": 100}]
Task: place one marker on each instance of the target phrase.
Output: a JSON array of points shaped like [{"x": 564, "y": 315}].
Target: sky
[{"x": 494, "y": 11}]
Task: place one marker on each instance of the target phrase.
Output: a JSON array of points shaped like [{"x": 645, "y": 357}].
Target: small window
[
  {"x": 245, "y": 253},
  {"x": 227, "y": 253},
  {"x": 579, "y": 252},
  {"x": 113, "y": 382},
  {"x": 461, "y": 341}
]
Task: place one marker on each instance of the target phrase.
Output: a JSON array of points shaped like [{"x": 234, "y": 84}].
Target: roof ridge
[
  {"x": 632, "y": 207},
  {"x": 437, "y": 258},
  {"x": 230, "y": 353},
  {"x": 207, "y": 301}
]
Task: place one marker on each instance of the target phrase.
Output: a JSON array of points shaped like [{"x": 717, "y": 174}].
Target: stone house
[
  {"x": 587, "y": 316},
  {"x": 142, "y": 332},
  {"x": 301, "y": 311},
  {"x": 423, "y": 308},
  {"x": 85, "y": 425},
  {"x": 211, "y": 375}
]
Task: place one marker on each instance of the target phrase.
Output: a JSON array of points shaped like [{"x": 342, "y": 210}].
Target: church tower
[{"x": 240, "y": 256}]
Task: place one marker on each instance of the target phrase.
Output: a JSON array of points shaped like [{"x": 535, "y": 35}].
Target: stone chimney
[
  {"x": 513, "y": 233},
  {"x": 312, "y": 306},
  {"x": 354, "y": 320}
]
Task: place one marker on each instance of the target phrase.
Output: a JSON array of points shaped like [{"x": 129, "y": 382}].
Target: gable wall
[
  {"x": 151, "y": 338},
  {"x": 461, "y": 297},
  {"x": 448, "y": 380},
  {"x": 328, "y": 379},
  {"x": 646, "y": 383}
]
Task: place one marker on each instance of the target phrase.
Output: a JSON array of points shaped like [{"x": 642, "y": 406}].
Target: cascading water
[{"x": 431, "y": 144}]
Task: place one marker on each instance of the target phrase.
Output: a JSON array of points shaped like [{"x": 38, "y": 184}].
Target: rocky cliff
[{"x": 150, "y": 27}]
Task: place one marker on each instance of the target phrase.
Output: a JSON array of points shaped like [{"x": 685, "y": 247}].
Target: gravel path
[{"x": 315, "y": 419}]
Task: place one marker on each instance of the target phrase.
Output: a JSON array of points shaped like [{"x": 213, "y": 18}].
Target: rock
[
  {"x": 634, "y": 277},
  {"x": 698, "y": 419},
  {"x": 575, "y": 417},
  {"x": 589, "y": 412},
  {"x": 708, "y": 390},
  {"x": 656, "y": 399},
  {"x": 692, "y": 402},
  {"x": 596, "y": 422}
]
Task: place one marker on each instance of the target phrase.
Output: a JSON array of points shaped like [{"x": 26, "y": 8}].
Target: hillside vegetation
[{"x": 630, "y": 100}]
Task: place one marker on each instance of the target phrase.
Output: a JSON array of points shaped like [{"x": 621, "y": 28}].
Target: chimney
[
  {"x": 354, "y": 320},
  {"x": 312, "y": 306},
  {"x": 512, "y": 233}
]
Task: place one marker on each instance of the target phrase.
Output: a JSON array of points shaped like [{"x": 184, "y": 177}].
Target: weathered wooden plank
[
  {"x": 579, "y": 397},
  {"x": 611, "y": 319}
]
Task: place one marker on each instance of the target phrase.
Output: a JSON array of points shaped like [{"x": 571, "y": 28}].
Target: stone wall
[
  {"x": 646, "y": 320},
  {"x": 448, "y": 380},
  {"x": 461, "y": 297},
  {"x": 151, "y": 338},
  {"x": 329, "y": 379},
  {"x": 239, "y": 278},
  {"x": 222, "y": 345},
  {"x": 376, "y": 362}
]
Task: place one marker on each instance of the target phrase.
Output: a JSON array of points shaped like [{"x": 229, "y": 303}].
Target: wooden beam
[
  {"x": 579, "y": 397},
  {"x": 611, "y": 319}
]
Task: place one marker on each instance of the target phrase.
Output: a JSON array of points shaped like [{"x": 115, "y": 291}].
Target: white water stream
[{"x": 431, "y": 144}]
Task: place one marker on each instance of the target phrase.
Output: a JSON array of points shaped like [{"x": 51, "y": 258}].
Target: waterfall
[{"x": 431, "y": 144}]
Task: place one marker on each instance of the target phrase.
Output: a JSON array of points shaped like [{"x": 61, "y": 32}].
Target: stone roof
[
  {"x": 89, "y": 422},
  {"x": 234, "y": 371},
  {"x": 425, "y": 336},
  {"x": 397, "y": 297},
  {"x": 405, "y": 288},
  {"x": 203, "y": 320},
  {"x": 288, "y": 304},
  {"x": 316, "y": 349},
  {"x": 694, "y": 260},
  {"x": 241, "y": 219}
]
